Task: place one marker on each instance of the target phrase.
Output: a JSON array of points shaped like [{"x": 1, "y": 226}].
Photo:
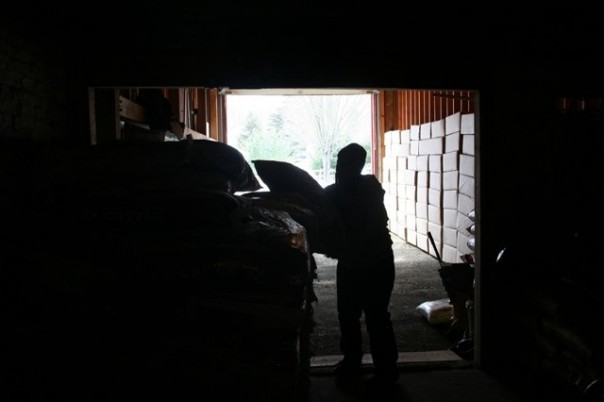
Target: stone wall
[{"x": 33, "y": 89}]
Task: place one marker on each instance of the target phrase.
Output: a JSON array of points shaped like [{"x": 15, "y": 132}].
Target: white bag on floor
[{"x": 436, "y": 311}]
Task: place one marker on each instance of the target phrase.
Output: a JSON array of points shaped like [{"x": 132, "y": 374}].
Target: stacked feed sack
[{"x": 139, "y": 264}]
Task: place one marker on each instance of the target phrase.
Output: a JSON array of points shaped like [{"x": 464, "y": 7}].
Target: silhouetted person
[{"x": 365, "y": 268}]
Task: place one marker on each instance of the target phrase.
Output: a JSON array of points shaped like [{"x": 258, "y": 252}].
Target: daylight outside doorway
[{"x": 305, "y": 128}]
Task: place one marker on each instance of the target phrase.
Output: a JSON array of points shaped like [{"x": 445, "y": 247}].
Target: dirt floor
[{"x": 417, "y": 281}]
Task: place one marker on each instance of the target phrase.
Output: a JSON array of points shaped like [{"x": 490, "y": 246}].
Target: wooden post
[{"x": 104, "y": 115}]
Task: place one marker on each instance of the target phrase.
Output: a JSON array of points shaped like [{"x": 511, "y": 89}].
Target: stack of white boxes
[
  {"x": 393, "y": 179},
  {"x": 466, "y": 196},
  {"x": 428, "y": 175}
]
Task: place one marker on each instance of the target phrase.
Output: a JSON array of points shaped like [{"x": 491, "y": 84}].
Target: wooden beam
[
  {"x": 131, "y": 110},
  {"x": 105, "y": 104},
  {"x": 214, "y": 117}
]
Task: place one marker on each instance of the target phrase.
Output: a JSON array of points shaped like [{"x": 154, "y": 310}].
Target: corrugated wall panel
[{"x": 417, "y": 107}]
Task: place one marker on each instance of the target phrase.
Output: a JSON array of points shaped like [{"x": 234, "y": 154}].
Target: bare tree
[{"x": 327, "y": 122}]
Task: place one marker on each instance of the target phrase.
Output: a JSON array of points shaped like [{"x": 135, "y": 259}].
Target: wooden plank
[
  {"x": 433, "y": 359},
  {"x": 92, "y": 116},
  {"x": 196, "y": 135},
  {"x": 214, "y": 113},
  {"x": 107, "y": 119},
  {"x": 131, "y": 110},
  {"x": 135, "y": 114},
  {"x": 390, "y": 110},
  {"x": 202, "y": 112}
]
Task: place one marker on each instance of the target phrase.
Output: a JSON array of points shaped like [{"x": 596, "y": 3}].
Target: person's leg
[
  {"x": 379, "y": 325},
  {"x": 349, "y": 316}
]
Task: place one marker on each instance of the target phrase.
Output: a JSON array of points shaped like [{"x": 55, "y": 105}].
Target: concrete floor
[
  {"x": 446, "y": 385},
  {"x": 429, "y": 371},
  {"x": 417, "y": 280},
  {"x": 430, "y": 377}
]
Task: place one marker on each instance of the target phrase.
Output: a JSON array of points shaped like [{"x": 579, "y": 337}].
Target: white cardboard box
[
  {"x": 436, "y": 231},
  {"x": 405, "y": 136},
  {"x": 451, "y": 180},
  {"x": 422, "y": 194},
  {"x": 422, "y": 163},
  {"x": 388, "y": 151},
  {"x": 462, "y": 244},
  {"x": 463, "y": 223},
  {"x": 453, "y": 123},
  {"x": 400, "y": 177},
  {"x": 467, "y": 123},
  {"x": 387, "y": 138},
  {"x": 435, "y": 163},
  {"x": 410, "y": 192},
  {"x": 449, "y": 254},
  {"x": 399, "y": 229},
  {"x": 466, "y": 165},
  {"x": 411, "y": 236},
  {"x": 421, "y": 210},
  {"x": 452, "y": 142},
  {"x": 400, "y": 203},
  {"x": 414, "y": 132},
  {"x": 391, "y": 137},
  {"x": 410, "y": 219},
  {"x": 422, "y": 178},
  {"x": 401, "y": 163},
  {"x": 387, "y": 186},
  {"x": 431, "y": 146},
  {"x": 410, "y": 207},
  {"x": 421, "y": 226},
  {"x": 390, "y": 202},
  {"x": 401, "y": 216},
  {"x": 465, "y": 204},
  {"x": 424, "y": 131},
  {"x": 450, "y": 199},
  {"x": 450, "y": 236},
  {"x": 436, "y": 181},
  {"x": 400, "y": 149},
  {"x": 385, "y": 177},
  {"x": 422, "y": 242},
  {"x": 411, "y": 177},
  {"x": 466, "y": 185},
  {"x": 435, "y": 197},
  {"x": 396, "y": 137},
  {"x": 450, "y": 218},
  {"x": 438, "y": 128},
  {"x": 435, "y": 215},
  {"x": 450, "y": 161},
  {"x": 467, "y": 144},
  {"x": 391, "y": 212},
  {"x": 389, "y": 162},
  {"x": 412, "y": 162},
  {"x": 400, "y": 190},
  {"x": 414, "y": 147},
  {"x": 439, "y": 247}
]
